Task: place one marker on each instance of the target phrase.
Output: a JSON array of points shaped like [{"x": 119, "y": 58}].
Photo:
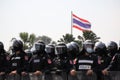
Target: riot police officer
[
  {"x": 59, "y": 66},
  {"x": 50, "y": 50},
  {"x": 3, "y": 61},
  {"x": 18, "y": 63},
  {"x": 38, "y": 61},
  {"x": 86, "y": 63},
  {"x": 73, "y": 50},
  {"x": 115, "y": 62},
  {"x": 103, "y": 59},
  {"x": 112, "y": 48}
]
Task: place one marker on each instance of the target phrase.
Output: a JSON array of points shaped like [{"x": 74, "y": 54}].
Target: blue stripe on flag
[{"x": 81, "y": 24}]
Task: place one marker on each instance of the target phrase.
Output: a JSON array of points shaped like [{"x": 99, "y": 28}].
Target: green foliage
[
  {"x": 85, "y": 36},
  {"x": 91, "y": 36},
  {"x": 24, "y": 36},
  {"x": 31, "y": 39},
  {"x": 46, "y": 39},
  {"x": 27, "y": 39},
  {"x": 67, "y": 38}
]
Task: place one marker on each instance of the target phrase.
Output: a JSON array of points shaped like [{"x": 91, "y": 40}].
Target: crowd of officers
[{"x": 59, "y": 62}]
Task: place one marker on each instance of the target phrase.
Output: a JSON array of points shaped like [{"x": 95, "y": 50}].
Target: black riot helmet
[
  {"x": 73, "y": 50},
  {"x": 17, "y": 45},
  {"x": 112, "y": 47},
  {"x": 1, "y": 47},
  {"x": 50, "y": 50},
  {"x": 75, "y": 46},
  {"x": 61, "y": 50},
  {"x": 100, "y": 48},
  {"x": 39, "y": 47},
  {"x": 88, "y": 46}
]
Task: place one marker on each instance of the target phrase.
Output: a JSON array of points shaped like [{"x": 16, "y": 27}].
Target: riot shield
[
  {"x": 35, "y": 77},
  {"x": 81, "y": 75},
  {"x": 13, "y": 77},
  {"x": 72, "y": 77},
  {"x": 56, "y": 76},
  {"x": 26, "y": 77},
  {"x": 2, "y": 77},
  {"x": 113, "y": 75}
]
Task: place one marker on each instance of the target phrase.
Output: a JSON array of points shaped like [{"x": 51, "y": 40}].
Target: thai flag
[{"x": 80, "y": 23}]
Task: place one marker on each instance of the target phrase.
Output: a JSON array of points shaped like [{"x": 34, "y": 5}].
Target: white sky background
[{"x": 53, "y": 18}]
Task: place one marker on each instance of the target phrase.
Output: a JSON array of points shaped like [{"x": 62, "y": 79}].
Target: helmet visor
[{"x": 60, "y": 49}]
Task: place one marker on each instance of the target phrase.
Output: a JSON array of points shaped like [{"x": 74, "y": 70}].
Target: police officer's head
[
  {"x": 61, "y": 50},
  {"x": 50, "y": 50},
  {"x": 88, "y": 46},
  {"x": 100, "y": 48},
  {"x": 1, "y": 47},
  {"x": 39, "y": 47},
  {"x": 112, "y": 47},
  {"x": 17, "y": 45},
  {"x": 29, "y": 53},
  {"x": 73, "y": 49}
]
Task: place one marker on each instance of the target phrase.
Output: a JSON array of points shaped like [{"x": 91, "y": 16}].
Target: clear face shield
[
  {"x": 111, "y": 49},
  {"x": 49, "y": 49},
  {"x": 37, "y": 47},
  {"x": 60, "y": 50}
]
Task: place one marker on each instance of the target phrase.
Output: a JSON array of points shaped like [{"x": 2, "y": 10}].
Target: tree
[
  {"x": 31, "y": 39},
  {"x": 24, "y": 38},
  {"x": 27, "y": 39},
  {"x": 67, "y": 38},
  {"x": 53, "y": 42},
  {"x": 91, "y": 36},
  {"x": 44, "y": 38},
  {"x": 80, "y": 38}
]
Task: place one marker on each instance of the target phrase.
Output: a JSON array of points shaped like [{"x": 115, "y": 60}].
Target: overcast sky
[{"x": 53, "y": 18}]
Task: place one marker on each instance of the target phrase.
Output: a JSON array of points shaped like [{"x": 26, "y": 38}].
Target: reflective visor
[{"x": 60, "y": 49}]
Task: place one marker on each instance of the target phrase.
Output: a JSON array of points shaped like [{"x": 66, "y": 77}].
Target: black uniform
[
  {"x": 112, "y": 48},
  {"x": 115, "y": 63},
  {"x": 114, "y": 67},
  {"x": 86, "y": 63},
  {"x": 103, "y": 62},
  {"x": 103, "y": 59},
  {"x": 3, "y": 62},
  {"x": 3, "y": 65},
  {"x": 18, "y": 62},
  {"x": 58, "y": 67},
  {"x": 37, "y": 63}
]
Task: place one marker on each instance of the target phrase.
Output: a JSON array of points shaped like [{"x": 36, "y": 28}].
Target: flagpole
[{"x": 71, "y": 23}]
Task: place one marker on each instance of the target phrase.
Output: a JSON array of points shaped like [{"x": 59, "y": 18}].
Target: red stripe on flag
[
  {"x": 80, "y": 18},
  {"x": 79, "y": 28}
]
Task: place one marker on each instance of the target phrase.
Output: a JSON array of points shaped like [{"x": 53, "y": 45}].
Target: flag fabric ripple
[{"x": 80, "y": 23}]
